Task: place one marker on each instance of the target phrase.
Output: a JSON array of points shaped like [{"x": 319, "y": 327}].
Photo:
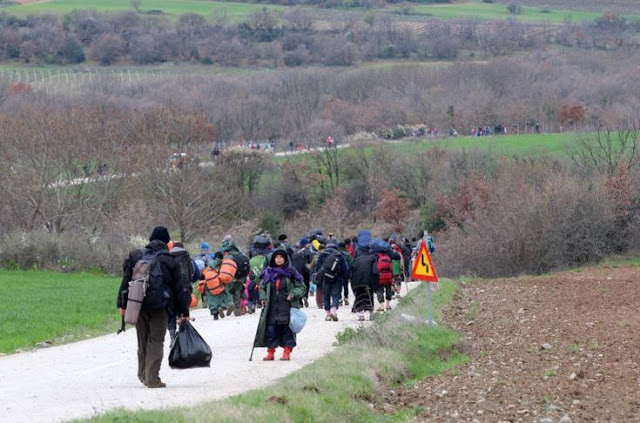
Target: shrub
[
  {"x": 28, "y": 250},
  {"x": 514, "y": 9}
]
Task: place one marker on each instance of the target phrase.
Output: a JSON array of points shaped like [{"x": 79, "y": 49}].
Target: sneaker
[
  {"x": 334, "y": 317},
  {"x": 328, "y": 318},
  {"x": 340, "y": 303},
  {"x": 361, "y": 318},
  {"x": 306, "y": 302},
  {"x": 346, "y": 301},
  {"x": 157, "y": 384}
]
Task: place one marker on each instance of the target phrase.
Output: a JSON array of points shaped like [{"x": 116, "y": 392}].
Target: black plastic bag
[{"x": 189, "y": 350}]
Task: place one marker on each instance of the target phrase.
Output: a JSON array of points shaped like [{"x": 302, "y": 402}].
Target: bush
[
  {"x": 32, "y": 250},
  {"x": 514, "y": 9}
]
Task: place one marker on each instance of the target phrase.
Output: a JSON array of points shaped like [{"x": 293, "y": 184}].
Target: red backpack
[{"x": 385, "y": 269}]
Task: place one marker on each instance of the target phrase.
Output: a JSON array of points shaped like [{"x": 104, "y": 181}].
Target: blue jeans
[
  {"x": 279, "y": 336},
  {"x": 331, "y": 291}
]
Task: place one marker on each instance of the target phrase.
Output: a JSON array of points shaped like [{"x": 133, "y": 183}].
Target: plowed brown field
[{"x": 562, "y": 348}]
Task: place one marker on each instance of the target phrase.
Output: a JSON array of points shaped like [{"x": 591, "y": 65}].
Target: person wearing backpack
[
  {"x": 342, "y": 247},
  {"x": 281, "y": 289},
  {"x": 165, "y": 289},
  {"x": 331, "y": 269},
  {"x": 385, "y": 290},
  {"x": 364, "y": 278},
  {"x": 301, "y": 260},
  {"x": 228, "y": 250}
]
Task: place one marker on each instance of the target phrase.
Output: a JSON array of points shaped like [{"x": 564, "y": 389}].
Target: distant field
[
  {"x": 486, "y": 11},
  {"x": 38, "y": 306},
  {"x": 173, "y": 8}
]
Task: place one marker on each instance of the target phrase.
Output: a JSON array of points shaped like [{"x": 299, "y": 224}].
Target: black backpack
[
  {"x": 242, "y": 262},
  {"x": 148, "y": 268},
  {"x": 300, "y": 260},
  {"x": 331, "y": 266}
]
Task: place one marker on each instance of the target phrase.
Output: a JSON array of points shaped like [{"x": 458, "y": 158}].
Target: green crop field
[
  {"x": 493, "y": 11},
  {"x": 525, "y": 145},
  {"x": 39, "y": 306},
  {"x": 229, "y": 10}
]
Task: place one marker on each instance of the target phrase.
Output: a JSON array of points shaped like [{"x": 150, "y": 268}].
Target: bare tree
[{"x": 608, "y": 149}]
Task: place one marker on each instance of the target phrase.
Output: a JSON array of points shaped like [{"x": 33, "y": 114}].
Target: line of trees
[{"x": 289, "y": 40}]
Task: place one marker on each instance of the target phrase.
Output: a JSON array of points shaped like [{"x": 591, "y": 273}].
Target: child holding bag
[{"x": 281, "y": 289}]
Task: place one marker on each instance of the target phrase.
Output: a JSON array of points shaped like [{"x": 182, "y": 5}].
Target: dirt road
[{"x": 93, "y": 376}]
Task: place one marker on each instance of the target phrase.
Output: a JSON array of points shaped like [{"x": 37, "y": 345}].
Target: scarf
[{"x": 271, "y": 274}]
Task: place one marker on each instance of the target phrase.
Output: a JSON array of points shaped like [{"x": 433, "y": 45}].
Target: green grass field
[
  {"x": 525, "y": 145},
  {"x": 493, "y": 11},
  {"x": 173, "y": 8},
  {"x": 38, "y": 306}
]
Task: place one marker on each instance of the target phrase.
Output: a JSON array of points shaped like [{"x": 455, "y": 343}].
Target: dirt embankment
[{"x": 564, "y": 348}]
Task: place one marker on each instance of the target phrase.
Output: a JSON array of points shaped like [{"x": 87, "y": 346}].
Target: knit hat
[
  {"x": 303, "y": 242},
  {"x": 160, "y": 233},
  {"x": 204, "y": 246},
  {"x": 282, "y": 237}
]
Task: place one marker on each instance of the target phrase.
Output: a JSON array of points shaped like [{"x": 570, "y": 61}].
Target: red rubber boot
[
  {"x": 270, "y": 354},
  {"x": 286, "y": 355}
]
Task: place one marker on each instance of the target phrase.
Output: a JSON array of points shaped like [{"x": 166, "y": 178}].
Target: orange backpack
[
  {"x": 212, "y": 281},
  {"x": 228, "y": 269}
]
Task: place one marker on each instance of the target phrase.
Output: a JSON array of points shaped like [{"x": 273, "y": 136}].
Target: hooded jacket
[{"x": 277, "y": 284}]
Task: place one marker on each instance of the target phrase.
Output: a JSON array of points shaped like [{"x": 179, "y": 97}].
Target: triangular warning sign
[{"x": 423, "y": 269}]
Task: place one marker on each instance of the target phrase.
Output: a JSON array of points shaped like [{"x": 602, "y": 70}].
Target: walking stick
[{"x": 254, "y": 338}]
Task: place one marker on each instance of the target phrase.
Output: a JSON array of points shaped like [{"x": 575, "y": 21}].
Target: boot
[
  {"x": 334, "y": 314},
  {"x": 215, "y": 316},
  {"x": 387, "y": 305},
  {"x": 221, "y": 312},
  {"x": 270, "y": 354},
  {"x": 231, "y": 309},
  {"x": 346, "y": 301},
  {"x": 286, "y": 355}
]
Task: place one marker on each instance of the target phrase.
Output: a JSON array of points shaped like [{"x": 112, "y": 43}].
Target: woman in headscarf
[{"x": 281, "y": 289}]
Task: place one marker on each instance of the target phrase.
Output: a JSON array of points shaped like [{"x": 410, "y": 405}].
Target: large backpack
[
  {"x": 146, "y": 288},
  {"x": 243, "y": 264},
  {"x": 331, "y": 266},
  {"x": 212, "y": 281},
  {"x": 257, "y": 265},
  {"x": 385, "y": 269}
]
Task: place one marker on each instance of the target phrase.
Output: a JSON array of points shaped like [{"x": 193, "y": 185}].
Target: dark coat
[
  {"x": 171, "y": 273},
  {"x": 344, "y": 266},
  {"x": 276, "y": 307},
  {"x": 364, "y": 271}
]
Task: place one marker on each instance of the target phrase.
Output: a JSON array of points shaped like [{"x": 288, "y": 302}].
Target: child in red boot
[{"x": 282, "y": 287}]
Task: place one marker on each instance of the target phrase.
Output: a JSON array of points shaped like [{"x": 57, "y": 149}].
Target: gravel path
[{"x": 90, "y": 377}]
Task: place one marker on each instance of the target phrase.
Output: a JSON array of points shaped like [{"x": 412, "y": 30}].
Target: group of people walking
[{"x": 274, "y": 276}]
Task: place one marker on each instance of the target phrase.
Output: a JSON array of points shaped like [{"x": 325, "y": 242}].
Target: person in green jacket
[
  {"x": 282, "y": 288},
  {"x": 229, "y": 249}
]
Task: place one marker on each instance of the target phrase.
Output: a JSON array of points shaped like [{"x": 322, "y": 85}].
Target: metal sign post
[{"x": 429, "y": 307}]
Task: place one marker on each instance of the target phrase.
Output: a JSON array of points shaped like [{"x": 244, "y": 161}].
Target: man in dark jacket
[
  {"x": 151, "y": 325},
  {"x": 364, "y": 276},
  {"x": 330, "y": 277},
  {"x": 301, "y": 260}
]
